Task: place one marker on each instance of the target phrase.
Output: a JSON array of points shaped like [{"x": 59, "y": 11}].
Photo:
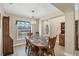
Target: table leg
[{"x": 40, "y": 51}]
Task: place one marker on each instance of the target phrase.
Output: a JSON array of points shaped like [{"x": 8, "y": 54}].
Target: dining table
[{"x": 40, "y": 42}]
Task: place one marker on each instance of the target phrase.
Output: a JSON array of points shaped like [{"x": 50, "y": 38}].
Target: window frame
[{"x": 18, "y": 30}]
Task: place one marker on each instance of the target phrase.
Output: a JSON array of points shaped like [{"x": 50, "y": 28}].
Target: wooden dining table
[{"x": 40, "y": 42}]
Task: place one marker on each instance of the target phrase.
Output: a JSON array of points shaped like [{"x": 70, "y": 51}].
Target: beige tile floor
[
  {"x": 20, "y": 50},
  {"x": 59, "y": 51}
]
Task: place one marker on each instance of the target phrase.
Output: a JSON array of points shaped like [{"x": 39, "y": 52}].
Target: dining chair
[
  {"x": 29, "y": 34},
  {"x": 50, "y": 49},
  {"x": 34, "y": 50},
  {"x": 51, "y": 45},
  {"x": 27, "y": 46}
]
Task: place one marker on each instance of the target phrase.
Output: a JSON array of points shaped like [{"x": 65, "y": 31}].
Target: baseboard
[
  {"x": 67, "y": 54},
  {"x": 19, "y": 44}
]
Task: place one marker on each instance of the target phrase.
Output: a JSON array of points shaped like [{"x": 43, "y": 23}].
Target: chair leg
[
  {"x": 29, "y": 52},
  {"x": 53, "y": 53},
  {"x": 25, "y": 49}
]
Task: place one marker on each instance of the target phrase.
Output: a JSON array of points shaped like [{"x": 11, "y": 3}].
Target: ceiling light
[{"x": 33, "y": 19}]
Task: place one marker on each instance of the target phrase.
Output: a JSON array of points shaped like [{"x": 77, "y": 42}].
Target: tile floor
[{"x": 20, "y": 51}]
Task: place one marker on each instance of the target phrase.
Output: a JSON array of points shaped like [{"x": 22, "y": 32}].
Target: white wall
[
  {"x": 54, "y": 26},
  {"x": 0, "y": 34},
  {"x": 70, "y": 30},
  {"x": 2, "y": 13}
]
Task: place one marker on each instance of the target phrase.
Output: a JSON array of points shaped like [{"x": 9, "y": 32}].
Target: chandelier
[{"x": 33, "y": 19}]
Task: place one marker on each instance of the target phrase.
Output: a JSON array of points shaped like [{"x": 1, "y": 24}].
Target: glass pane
[{"x": 23, "y": 27}]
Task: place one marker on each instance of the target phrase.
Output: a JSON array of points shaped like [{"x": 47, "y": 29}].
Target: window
[{"x": 22, "y": 28}]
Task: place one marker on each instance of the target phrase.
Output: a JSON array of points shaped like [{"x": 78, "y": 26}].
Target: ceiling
[
  {"x": 25, "y": 9},
  {"x": 65, "y": 7}
]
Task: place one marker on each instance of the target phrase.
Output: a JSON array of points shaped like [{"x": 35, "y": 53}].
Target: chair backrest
[
  {"x": 26, "y": 42},
  {"x": 29, "y": 34},
  {"x": 52, "y": 42}
]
